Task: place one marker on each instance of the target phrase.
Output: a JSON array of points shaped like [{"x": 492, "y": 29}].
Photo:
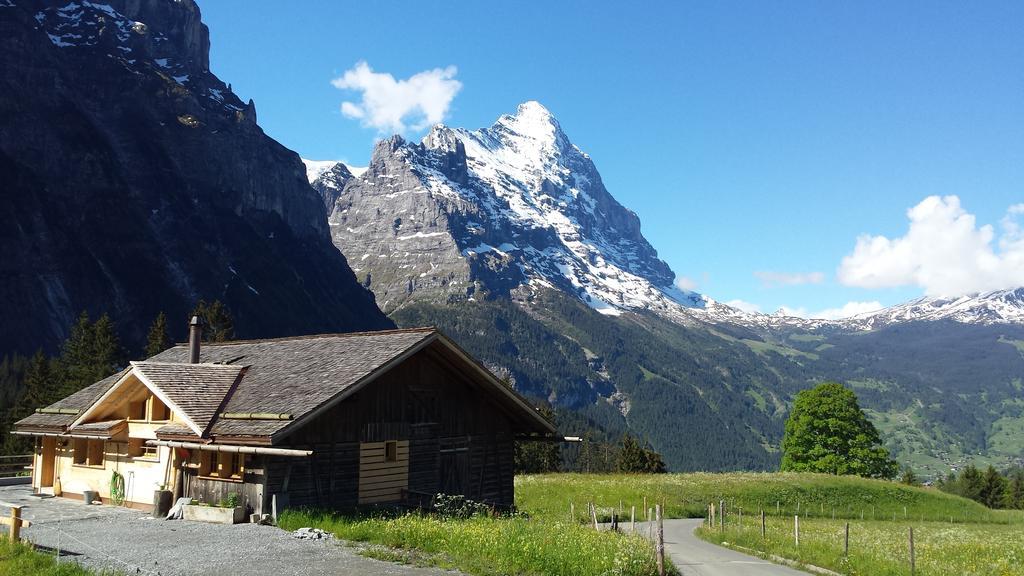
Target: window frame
[
  {"x": 223, "y": 466},
  {"x": 89, "y": 452},
  {"x": 139, "y": 450}
]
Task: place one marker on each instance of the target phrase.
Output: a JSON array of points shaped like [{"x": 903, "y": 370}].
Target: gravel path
[{"x": 107, "y": 537}]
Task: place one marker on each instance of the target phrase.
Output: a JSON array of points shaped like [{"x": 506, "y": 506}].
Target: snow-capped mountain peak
[
  {"x": 995, "y": 307},
  {"x": 507, "y": 207},
  {"x": 531, "y": 122}
]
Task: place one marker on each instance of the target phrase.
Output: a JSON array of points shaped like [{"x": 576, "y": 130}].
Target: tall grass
[
  {"x": 18, "y": 559},
  {"x": 687, "y": 495},
  {"x": 487, "y": 546},
  {"x": 882, "y": 547}
]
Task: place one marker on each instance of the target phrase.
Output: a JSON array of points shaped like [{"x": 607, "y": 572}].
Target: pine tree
[
  {"x": 218, "y": 325},
  {"x": 91, "y": 352},
  {"x": 1014, "y": 496},
  {"x": 633, "y": 457},
  {"x": 42, "y": 388},
  {"x": 993, "y": 488},
  {"x": 106, "y": 349},
  {"x": 971, "y": 484},
  {"x": 157, "y": 340},
  {"x": 76, "y": 354}
]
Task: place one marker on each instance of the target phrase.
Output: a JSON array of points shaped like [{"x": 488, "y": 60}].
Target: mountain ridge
[{"x": 137, "y": 182}]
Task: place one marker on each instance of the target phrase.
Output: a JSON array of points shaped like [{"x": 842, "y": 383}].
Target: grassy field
[
  {"x": 784, "y": 494},
  {"x": 545, "y": 539},
  {"x": 882, "y": 548},
  {"x": 18, "y": 559},
  {"x": 489, "y": 546}
]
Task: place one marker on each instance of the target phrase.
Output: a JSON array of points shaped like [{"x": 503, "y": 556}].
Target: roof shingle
[
  {"x": 295, "y": 375},
  {"x": 198, "y": 390}
]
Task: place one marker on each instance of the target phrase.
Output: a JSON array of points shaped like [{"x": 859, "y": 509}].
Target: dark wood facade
[{"x": 459, "y": 441}]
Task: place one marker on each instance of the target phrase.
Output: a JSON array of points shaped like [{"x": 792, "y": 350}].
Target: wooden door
[
  {"x": 48, "y": 462},
  {"x": 454, "y": 469}
]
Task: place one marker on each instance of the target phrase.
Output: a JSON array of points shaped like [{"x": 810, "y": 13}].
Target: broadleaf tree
[{"x": 827, "y": 432}]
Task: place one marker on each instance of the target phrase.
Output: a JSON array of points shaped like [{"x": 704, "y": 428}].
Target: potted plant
[
  {"x": 228, "y": 511},
  {"x": 162, "y": 501}
]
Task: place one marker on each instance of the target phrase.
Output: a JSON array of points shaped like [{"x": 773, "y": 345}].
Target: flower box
[{"x": 214, "y": 514}]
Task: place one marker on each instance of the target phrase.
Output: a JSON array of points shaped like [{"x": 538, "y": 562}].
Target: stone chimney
[{"x": 195, "y": 335}]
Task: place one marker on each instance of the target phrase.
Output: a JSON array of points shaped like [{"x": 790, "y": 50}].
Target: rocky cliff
[
  {"x": 501, "y": 210},
  {"x": 134, "y": 181}
]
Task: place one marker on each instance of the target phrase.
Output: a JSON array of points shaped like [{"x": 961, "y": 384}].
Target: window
[
  {"x": 224, "y": 465},
  {"x": 88, "y": 452},
  {"x": 149, "y": 409},
  {"x": 81, "y": 450},
  {"x": 137, "y": 448},
  {"x": 391, "y": 451},
  {"x": 160, "y": 412}
]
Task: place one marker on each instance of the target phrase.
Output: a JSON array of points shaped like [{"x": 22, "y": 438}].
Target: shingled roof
[
  {"x": 73, "y": 405},
  {"x": 296, "y": 375},
  {"x": 288, "y": 377},
  {"x": 197, "y": 391}
]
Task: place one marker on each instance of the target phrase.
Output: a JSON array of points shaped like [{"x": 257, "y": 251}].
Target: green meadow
[
  {"x": 882, "y": 548},
  {"x": 551, "y": 533}
]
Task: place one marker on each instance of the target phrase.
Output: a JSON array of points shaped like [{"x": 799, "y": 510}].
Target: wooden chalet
[{"x": 332, "y": 421}]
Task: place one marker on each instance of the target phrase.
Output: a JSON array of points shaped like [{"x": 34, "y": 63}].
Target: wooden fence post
[
  {"x": 647, "y": 516},
  {"x": 572, "y": 512},
  {"x": 632, "y": 518},
  {"x": 796, "y": 529},
  {"x": 721, "y": 514},
  {"x": 846, "y": 541},
  {"x": 762, "y": 524},
  {"x": 660, "y": 543},
  {"x": 912, "y": 559},
  {"x": 593, "y": 514},
  {"x": 15, "y": 523}
]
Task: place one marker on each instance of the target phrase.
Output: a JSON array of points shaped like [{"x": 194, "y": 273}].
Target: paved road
[
  {"x": 695, "y": 557},
  {"x": 109, "y": 537}
]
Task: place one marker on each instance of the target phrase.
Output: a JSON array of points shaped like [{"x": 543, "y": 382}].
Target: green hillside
[
  {"x": 715, "y": 398},
  {"x": 778, "y": 493}
]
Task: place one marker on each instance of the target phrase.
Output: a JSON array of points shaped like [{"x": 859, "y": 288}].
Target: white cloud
[
  {"x": 390, "y": 105},
  {"x": 847, "y": 310},
  {"x": 844, "y": 311},
  {"x": 771, "y": 279},
  {"x": 744, "y": 305},
  {"x": 943, "y": 251},
  {"x": 686, "y": 284}
]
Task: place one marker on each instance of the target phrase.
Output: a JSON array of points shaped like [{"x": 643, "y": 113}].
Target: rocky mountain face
[
  {"x": 497, "y": 211},
  {"x": 134, "y": 181},
  {"x": 329, "y": 179}
]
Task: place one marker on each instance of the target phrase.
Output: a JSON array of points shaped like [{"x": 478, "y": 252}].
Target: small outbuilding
[{"x": 333, "y": 421}]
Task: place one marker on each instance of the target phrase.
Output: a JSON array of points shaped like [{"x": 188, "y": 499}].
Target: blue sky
[{"x": 757, "y": 140}]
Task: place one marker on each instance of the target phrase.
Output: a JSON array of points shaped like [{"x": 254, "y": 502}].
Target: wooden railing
[{"x": 11, "y": 466}]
